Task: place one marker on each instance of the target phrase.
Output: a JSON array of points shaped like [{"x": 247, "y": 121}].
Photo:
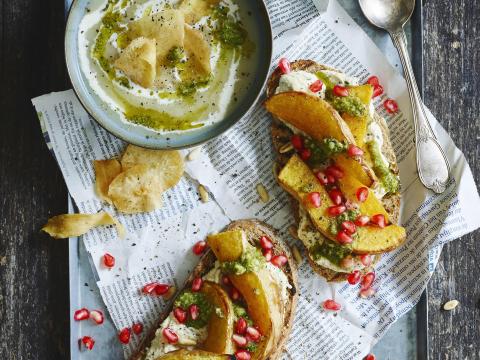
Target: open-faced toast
[
  {"x": 308, "y": 115},
  {"x": 268, "y": 305}
]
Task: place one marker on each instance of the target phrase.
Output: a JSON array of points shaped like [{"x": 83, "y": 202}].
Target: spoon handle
[{"x": 432, "y": 163}]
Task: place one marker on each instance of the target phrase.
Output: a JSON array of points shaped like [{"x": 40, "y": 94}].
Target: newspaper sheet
[{"x": 158, "y": 245}]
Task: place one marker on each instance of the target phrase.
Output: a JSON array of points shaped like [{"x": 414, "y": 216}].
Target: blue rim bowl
[{"x": 257, "y": 23}]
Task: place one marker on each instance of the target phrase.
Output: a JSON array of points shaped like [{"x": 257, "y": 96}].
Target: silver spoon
[{"x": 432, "y": 163}]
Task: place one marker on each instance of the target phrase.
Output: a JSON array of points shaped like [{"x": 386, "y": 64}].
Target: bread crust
[
  {"x": 253, "y": 229},
  {"x": 281, "y": 135}
]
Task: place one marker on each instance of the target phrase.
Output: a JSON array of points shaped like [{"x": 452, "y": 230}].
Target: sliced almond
[
  {"x": 450, "y": 305},
  {"x": 203, "y": 193},
  {"x": 262, "y": 192},
  {"x": 296, "y": 254},
  {"x": 194, "y": 154},
  {"x": 286, "y": 148}
]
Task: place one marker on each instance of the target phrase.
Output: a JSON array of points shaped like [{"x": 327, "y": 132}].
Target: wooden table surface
[{"x": 34, "y": 303}]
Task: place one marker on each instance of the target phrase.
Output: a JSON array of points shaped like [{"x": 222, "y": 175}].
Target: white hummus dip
[{"x": 169, "y": 65}]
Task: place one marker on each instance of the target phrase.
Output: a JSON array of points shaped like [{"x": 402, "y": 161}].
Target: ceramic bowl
[{"x": 256, "y": 21}]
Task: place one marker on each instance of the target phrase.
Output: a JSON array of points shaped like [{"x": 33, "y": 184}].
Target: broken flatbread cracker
[
  {"x": 165, "y": 27},
  {"x": 73, "y": 225},
  {"x": 198, "y": 51},
  {"x": 139, "y": 62},
  {"x": 169, "y": 163},
  {"x": 105, "y": 172},
  {"x": 194, "y": 10},
  {"x": 137, "y": 189}
]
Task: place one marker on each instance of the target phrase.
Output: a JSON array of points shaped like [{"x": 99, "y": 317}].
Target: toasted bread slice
[
  {"x": 253, "y": 229},
  {"x": 281, "y": 135}
]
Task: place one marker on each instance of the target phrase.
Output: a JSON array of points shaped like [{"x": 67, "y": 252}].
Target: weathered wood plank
[
  {"x": 452, "y": 85},
  {"x": 34, "y": 314}
]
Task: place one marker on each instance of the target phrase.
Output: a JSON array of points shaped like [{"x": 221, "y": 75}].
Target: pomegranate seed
[
  {"x": 137, "y": 328},
  {"x": 97, "y": 316},
  {"x": 373, "y": 80},
  {"x": 391, "y": 106},
  {"x": 347, "y": 262},
  {"x": 284, "y": 66},
  {"x": 331, "y": 179},
  {"x": 241, "y": 326},
  {"x": 170, "y": 336},
  {"x": 81, "y": 314},
  {"x": 343, "y": 237},
  {"x": 316, "y": 86},
  {"x": 369, "y": 357},
  {"x": 108, "y": 260},
  {"x": 279, "y": 260},
  {"x": 362, "y": 194},
  {"x": 149, "y": 288},
  {"x": 354, "y": 151},
  {"x": 362, "y": 220},
  {"x": 377, "y": 91},
  {"x": 240, "y": 340},
  {"x": 314, "y": 199},
  {"x": 88, "y": 342},
  {"x": 242, "y": 355},
  {"x": 267, "y": 253},
  {"x": 378, "y": 220},
  {"x": 331, "y": 305},
  {"x": 197, "y": 284},
  {"x": 334, "y": 171},
  {"x": 161, "y": 289},
  {"x": 349, "y": 227},
  {"x": 366, "y": 260},
  {"x": 180, "y": 315},
  {"x": 367, "y": 280},
  {"x": 225, "y": 280},
  {"x": 253, "y": 333},
  {"x": 235, "y": 294},
  {"x": 194, "y": 311},
  {"x": 199, "y": 247},
  {"x": 266, "y": 243},
  {"x": 354, "y": 277},
  {"x": 297, "y": 142},
  {"x": 124, "y": 336},
  {"x": 336, "y": 210},
  {"x": 305, "y": 154},
  {"x": 339, "y": 90},
  {"x": 336, "y": 196},
  {"x": 322, "y": 177},
  {"x": 366, "y": 293}
]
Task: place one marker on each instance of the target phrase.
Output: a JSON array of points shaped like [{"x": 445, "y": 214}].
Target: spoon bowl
[{"x": 389, "y": 15}]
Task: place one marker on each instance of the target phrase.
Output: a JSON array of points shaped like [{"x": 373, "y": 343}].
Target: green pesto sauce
[
  {"x": 335, "y": 223},
  {"x": 250, "y": 261},
  {"x": 389, "y": 180},
  {"x": 160, "y": 120},
  {"x": 175, "y": 55},
  {"x": 188, "y": 298},
  {"x": 324, "y": 150},
  {"x": 326, "y": 80},
  {"x": 351, "y": 105},
  {"x": 331, "y": 251},
  {"x": 188, "y": 88},
  {"x": 228, "y": 31},
  {"x": 239, "y": 311},
  {"x": 98, "y": 50}
]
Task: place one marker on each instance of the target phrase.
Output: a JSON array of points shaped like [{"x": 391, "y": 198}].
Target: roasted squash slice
[
  {"x": 258, "y": 289},
  {"x": 297, "y": 178},
  {"x": 358, "y": 124}
]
